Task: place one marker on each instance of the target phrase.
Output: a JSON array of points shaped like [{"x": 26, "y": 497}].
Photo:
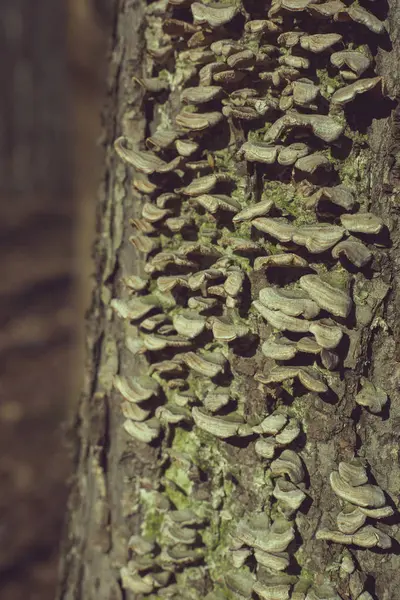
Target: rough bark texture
[{"x": 104, "y": 504}]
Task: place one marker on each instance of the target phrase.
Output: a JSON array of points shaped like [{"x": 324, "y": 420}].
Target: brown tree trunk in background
[
  {"x": 49, "y": 49},
  {"x": 37, "y": 329},
  {"x": 109, "y": 468}
]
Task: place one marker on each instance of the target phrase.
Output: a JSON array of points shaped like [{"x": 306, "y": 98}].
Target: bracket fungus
[{"x": 250, "y": 215}]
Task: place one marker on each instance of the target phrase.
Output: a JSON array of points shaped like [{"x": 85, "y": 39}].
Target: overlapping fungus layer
[{"x": 257, "y": 237}]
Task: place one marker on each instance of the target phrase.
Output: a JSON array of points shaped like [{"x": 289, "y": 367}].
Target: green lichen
[
  {"x": 180, "y": 478},
  {"x": 153, "y": 518},
  {"x": 289, "y": 200},
  {"x": 327, "y": 83}
]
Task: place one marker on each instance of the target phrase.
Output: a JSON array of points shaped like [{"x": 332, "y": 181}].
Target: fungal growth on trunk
[{"x": 258, "y": 279}]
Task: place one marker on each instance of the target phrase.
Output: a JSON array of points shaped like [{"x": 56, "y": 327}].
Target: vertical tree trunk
[{"x": 121, "y": 484}]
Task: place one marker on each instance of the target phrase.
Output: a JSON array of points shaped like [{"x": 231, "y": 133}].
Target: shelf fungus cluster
[
  {"x": 363, "y": 505},
  {"x": 258, "y": 244},
  {"x": 152, "y": 564}
]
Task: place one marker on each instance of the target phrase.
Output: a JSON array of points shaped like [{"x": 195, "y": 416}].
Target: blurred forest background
[{"x": 54, "y": 59}]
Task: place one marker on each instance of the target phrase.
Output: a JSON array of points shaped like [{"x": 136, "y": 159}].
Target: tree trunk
[{"x": 124, "y": 486}]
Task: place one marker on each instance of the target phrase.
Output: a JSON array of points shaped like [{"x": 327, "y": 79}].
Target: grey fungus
[
  {"x": 189, "y": 324},
  {"x": 226, "y": 331},
  {"x": 356, "y": 252},
  {"x": 241, "y": 60},
  {"x": 272, "y": 589},
  {"x": 140, "y": 545},
  {"x": 136, "y": 389},
  {"x": 334, "y": 536},
  {"x": 360, "y": 15},
  {"x": 350, "y": 519},
  {"x": 357, "y": 62},
  {"x": 275, "y": 561},
  {"x": 286, "y": 260},
  {"x": 378, "y": 513},
  {"x": 161, "y": 139},
  {"x": 369, "y": 537},
  {"x": 281, "y": 321},
  {"x": 289, "y": 496},
  {"x": 233, "y": 284},
  {"x": 201, "y": 94},
  {"x": 153, "y": 213},
  {"x": 292, "y": 302},
  {"x": 290, "y": 464},
  {"x": 327, "y": 334},
  {"x": 365, "y": 495},
  {"x": 312, "y": 380},
  {"x": 260, "y": 152},
  {"x": 265, "y": 448},
  {"x": 240, "y": 584},
  {"x": 310, "y": 164},
  {"x": 134, "y": 308},
  {"x": 289, "y": 433},
  {"x": 362, "y": 223},
  {"x": 186, "y": 148},
  {"x": 171, "y": 414},
  {"x": 294, "y": 152},
  {"x": 145, "y": 432},
  {"x": 353, "y": 472},
  {"x": 279, "y": 349},
  {"x": 135, "y": 283},
  {"x": 323, "y": 592},
  {"x": 216, "y": 398},
  {"x": 371, "y": 396},
  {"x": 208, "y": 363},
  {"x": 328, "y": 297},
  {"x": 281, "y": 229},
  {"x": 328, "y": 9},
  {"x": 272, "y": 424},
  {"x": 191, "y": 121},
  {"x": 215, "y": 203},
  {"x": 215, "y": 16},
  {"x": 319, "y": 42},
  {"x": 317, "y": 238},
  {"x": 349, "y": 92},
  {"x": 134, "y": 412},
  {"x": 145, "y": 162},
  {"x": 201, "y": 185},
  {"x": 136, "y": 583},
  {"x": 322, "y": 126},
  {"x": 339, "y": 195},
  {"x": 221, "y": 427},
  {"x": 278, "y": 374},
  {"x": 308, "y": 345}
]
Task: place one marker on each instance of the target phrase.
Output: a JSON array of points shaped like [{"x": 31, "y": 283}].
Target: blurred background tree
[{"x": 53, "y": 54}]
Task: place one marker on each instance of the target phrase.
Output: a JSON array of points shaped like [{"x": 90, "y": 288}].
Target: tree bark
[{"x": 106, "y": 504}]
